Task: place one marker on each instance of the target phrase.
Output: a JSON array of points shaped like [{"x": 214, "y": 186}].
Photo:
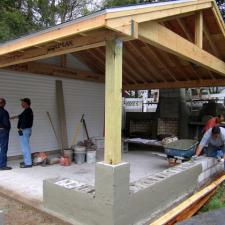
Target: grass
[{"x": 217, "y": 201}]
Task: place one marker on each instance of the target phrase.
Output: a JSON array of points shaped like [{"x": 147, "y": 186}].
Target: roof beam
[
  {"x": 122, "y": 20},
  {"x": 176, "y": 84},
  {"x": 199, "y": 29},
  {"x": 56, "y": 71},
  {"x": 69, "y": 45},
  {"x": 165, "y": 39},
  {"x": 59, "y": 32}
]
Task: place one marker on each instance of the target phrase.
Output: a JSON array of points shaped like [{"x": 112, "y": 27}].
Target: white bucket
[
  {"x": 79, "y": 154},
  {"x": 91, "y": 156}
]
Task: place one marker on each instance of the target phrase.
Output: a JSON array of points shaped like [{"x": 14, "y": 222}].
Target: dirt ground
[{"x": 16, "y": 213}]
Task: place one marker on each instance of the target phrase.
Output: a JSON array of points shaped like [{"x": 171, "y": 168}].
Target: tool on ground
[
  {"x": 82, "y": 122},
  {"x": 85, "y": 127},
  {"x": 53, "y": 128}
]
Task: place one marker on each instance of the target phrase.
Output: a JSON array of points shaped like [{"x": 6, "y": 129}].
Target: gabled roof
[{"x": 146, "y": 63}]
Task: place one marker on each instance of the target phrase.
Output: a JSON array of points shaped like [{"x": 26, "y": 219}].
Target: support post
[
  {"x": 113, "y": 101},
  {"x": 199, "y": 29}
]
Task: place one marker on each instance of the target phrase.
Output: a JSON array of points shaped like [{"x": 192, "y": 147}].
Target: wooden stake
[{"x": 113, "y": 101}]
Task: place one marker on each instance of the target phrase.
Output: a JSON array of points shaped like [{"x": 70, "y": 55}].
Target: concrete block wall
[
  {"x": 114, "y": 201},
  {"x": 210, "y": 168},
  {"x": 168, "y": 126}
]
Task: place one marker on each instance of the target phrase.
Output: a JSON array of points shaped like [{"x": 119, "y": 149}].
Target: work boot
[
  {"x": 25, "y": 166},
  {"x": 5, "y": 168}
]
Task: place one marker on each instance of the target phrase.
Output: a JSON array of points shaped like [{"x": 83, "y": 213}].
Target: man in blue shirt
[
  {"x": 213, "y": 142},
  {"x": 4, "y": 135}
]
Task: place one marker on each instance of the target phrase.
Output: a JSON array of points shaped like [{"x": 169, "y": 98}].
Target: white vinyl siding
[{"x": 80, "y": 97}]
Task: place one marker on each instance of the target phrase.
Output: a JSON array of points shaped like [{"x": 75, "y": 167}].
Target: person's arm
[
  {"x": 199, "y": 150},
  {"x": 5, "y": 121},
  {"x": 14, "y": 117},
  {"x": 203, "y": 143}
]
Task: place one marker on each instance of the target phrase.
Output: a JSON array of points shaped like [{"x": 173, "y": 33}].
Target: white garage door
[{"x": 80, "y": 97}]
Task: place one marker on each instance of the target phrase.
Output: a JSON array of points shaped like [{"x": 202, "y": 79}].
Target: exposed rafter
[
  {"x": 177, "y": 84},
  {"x": 52, "y": 70},
  {"x": 163, "y": 38}
]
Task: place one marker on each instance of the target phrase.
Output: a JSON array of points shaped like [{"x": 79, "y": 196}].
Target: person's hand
[
  {"x": 194, "y": 157},
  {"x": 13, "y": 117}
]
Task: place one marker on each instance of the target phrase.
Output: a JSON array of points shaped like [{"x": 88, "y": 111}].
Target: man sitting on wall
[
  {"x": 213, "y": 143},
  {"x": 213, "y": 122}
]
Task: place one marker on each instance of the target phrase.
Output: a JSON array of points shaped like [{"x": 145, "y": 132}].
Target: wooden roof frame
[{"x": 127, "y": 23}]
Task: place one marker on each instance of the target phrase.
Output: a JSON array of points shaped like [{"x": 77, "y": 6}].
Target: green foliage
[
  {"x": 217, "y": 201},
  {"x": 19, "y": 17}
]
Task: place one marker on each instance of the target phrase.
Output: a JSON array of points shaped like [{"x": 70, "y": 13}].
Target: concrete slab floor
[{"x": 27, "y": 183}]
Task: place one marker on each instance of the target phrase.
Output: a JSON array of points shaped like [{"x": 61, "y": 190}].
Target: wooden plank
[
  {"x": 57, "y": 71},
  {"x": 163, "y": 10},
  {"x": 113, "y": 101},
  {"x": 73, "y": 44},
  {"x": 199, "y": 29},
  {"x": 56, "y": 33},
  {"x": 163, "y": 38},
  {"x": 154, "y": 13},
  {"x": 177, "y": 84},
  {"x": 165, "y": 219},
  {"x": 61, "y": 114}
]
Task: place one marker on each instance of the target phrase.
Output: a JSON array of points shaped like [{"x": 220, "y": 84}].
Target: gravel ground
[{"x": 16, "y": 213}]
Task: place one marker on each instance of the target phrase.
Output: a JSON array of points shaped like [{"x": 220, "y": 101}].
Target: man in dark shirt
[
  {"x": 4, "y": 135},
  {"x": 25, "y": 123}
]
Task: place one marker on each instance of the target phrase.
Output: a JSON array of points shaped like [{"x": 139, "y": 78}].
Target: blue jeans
[
  {"x": 215, "y": 152},
  {"x": 25, "y": 145},
  {"x": 4, "y": 141}
]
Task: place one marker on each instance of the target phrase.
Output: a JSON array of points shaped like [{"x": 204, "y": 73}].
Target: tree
[
  {"x": 221, "y": 5},
  {"x": 13, "y": 21}
]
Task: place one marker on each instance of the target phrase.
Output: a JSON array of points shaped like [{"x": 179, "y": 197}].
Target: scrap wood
[{"x": 192, "y": 205}]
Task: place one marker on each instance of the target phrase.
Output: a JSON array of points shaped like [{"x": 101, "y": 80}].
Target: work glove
[{"x": 194, "y": 157}]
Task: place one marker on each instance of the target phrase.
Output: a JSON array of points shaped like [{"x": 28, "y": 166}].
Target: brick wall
[{"x": 168, "y": 126}]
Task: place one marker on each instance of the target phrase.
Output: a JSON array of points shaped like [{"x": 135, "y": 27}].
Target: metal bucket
[
  {"x": 79, "y": 154},
  {"x": 91, "y": 156}
]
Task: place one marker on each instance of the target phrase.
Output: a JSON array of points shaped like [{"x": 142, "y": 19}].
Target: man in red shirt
[{"x": 213, "y": 122}]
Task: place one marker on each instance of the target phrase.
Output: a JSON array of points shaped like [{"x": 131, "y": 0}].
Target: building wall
[{"x": 80, "y": 97}]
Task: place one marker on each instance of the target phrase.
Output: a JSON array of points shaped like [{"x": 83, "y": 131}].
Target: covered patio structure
[{"x": 176, "y": 44}]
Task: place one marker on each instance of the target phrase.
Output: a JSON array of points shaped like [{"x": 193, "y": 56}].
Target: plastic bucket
[
  {"x": 91, "y": 156},
  {"x": 69, "y": 154},
  {"x": 79, "y": 154}
]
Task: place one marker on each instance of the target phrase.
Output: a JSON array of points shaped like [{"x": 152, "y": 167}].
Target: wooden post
[
  {"x": 113, "y": 101},
  {"x": 199, "y": 29},
  {"x": 61, "y": 114}
]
